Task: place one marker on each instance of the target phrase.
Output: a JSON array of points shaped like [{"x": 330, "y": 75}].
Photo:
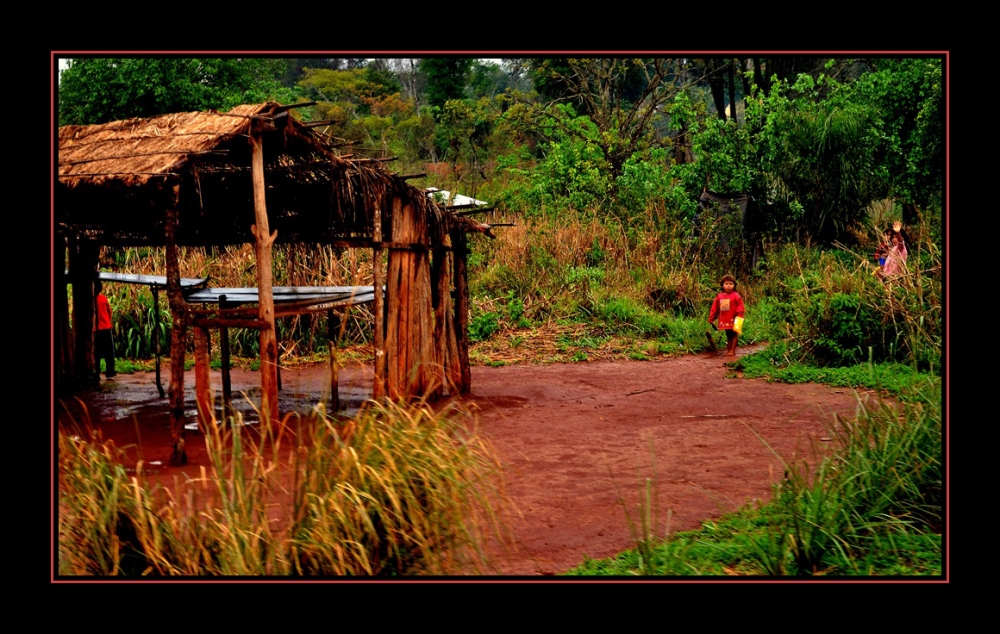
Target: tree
[
  {"x": 446, "y": 78},
  {"x": 297, "y": 65},
  {"x": 909, "y": 94},
  {"x": 360, "y": 104},
  {"x": 819, "y": 156},
  {"x": 622, "y": 97},
  {"x": 101, "y": 89}
]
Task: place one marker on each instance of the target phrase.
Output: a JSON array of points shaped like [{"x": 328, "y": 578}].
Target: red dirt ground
[{"x": 578, "y": 440}]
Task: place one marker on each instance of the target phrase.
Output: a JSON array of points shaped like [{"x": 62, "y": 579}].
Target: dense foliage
[{"x": 101, "y": 89}]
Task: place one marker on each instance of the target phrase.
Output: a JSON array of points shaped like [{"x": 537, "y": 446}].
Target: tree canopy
[
  {"x": 101, "y": 89},
  {"x": 816, "y": 141}
]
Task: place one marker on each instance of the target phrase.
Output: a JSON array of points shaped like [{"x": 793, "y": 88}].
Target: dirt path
[{"x": 578, "y": 440}]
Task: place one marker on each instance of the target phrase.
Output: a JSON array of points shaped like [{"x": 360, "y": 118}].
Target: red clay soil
[{"x": 578, "y": 440}]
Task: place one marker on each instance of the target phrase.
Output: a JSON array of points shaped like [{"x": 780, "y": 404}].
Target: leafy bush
[
  {"x": 482, "y": 327},
  {"x": 841, "y": 329}
]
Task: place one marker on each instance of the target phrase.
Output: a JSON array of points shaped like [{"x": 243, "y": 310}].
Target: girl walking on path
[{"x": 728, "y": 306}]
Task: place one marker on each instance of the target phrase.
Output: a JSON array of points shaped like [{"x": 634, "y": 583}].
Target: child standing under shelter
[
  {"x": 727, "y": 306},
  {"x": 105, "y": 343}
]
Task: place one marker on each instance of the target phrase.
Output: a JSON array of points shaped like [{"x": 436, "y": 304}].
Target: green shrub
[
  {"x": 842, "y": 329},
  {"x": 482, "y": 327}
]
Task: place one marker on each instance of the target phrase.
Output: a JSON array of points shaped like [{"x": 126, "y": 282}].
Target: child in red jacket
[
  {"x": 727, "y": 306},
  {"x": 105, "y": 343}
]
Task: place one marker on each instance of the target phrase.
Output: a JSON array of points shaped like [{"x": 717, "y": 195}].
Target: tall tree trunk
[
  {"x": 760, "y": 78},
  {"x": 744, "y": 65},
  {"x": 717, "y": 84},
  {"x": 731, "y": 65}
]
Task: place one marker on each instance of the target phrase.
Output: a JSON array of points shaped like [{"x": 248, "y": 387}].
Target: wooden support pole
[
  {"x": 378, "y": 282},
  {"x": 440, "y": 303},
  {"x": 333, "y": 335},
  {"x": 202, "y": 378},
  {"x": 178, "y": 336},
  {"x": 60, "y": 309},
  {"x": 227, "y": 384},
  {"x": 156, "y": 338},
  {"x": 452, "y": 360},
  {"x": 83, "y": 271},
  {"x": 461, "y": 253},
  {"x": 264, "y": 241}
]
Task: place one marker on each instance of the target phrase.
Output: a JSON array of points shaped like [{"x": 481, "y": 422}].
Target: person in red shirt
[
  {"x": 727, "y": 306},
  {"x": 105, "y": 343}
]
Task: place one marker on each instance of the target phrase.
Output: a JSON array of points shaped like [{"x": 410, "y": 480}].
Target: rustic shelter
[{"x": 257, "y": 175}]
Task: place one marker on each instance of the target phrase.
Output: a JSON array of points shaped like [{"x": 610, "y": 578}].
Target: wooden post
[
  {"x": 60, "y": 309},
  {"x": 441, "y": 304},
  {"x": 178, "y": 336},
  {"x": 333, "y": 335},
  {"x": 378, "y": 337},
  {"x": 83, "y": 272},
  {"x": 452, "y": 362},
  {"x": 156, "y": 337},
  {"x": 461, "y": 254},
  {"x": 202, "y": 377},
  {"x": 227, "y": 384},
  {"x": 264, "y": 241}
]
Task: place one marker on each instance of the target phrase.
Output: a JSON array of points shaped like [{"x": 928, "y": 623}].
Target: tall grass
[
  {"x": 394, "y": 491},
  {"x": 399, "y": 490},
  {"x": 585, "y": 268}
]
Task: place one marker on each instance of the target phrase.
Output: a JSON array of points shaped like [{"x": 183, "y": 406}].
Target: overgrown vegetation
[{"x": 397, "y": 490}]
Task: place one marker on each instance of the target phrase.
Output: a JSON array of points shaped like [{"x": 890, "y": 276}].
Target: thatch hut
[{"x": 257, "y": 175}]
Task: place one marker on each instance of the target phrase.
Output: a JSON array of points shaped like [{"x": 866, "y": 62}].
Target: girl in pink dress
[{"x": 895, "y": 259}]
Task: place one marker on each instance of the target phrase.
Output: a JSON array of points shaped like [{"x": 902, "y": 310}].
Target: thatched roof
[{"x": 115, "y": 181}]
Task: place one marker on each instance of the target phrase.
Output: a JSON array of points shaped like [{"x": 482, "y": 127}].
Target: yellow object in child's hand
[{"x": 738, "y": 325}]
